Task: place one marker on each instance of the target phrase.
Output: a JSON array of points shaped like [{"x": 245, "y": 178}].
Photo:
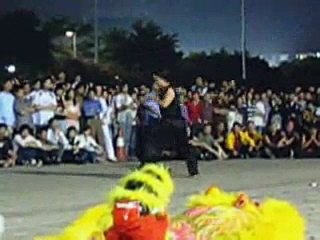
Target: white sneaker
[{"x": 113, "y": 159}]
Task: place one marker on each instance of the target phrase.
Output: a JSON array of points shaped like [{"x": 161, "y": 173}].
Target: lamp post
[
  {"x": 96, "y": 33},
  {"x": 243, "y": 39},
  {"x": 73, "y": 35}
]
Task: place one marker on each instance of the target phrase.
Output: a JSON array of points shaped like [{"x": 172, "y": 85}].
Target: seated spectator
[
  {"x": 310, "y": 144},
  {"x": 220, "y": 134},
  {"x": 272, "y": 142},
  {"x": 7, "y": 154},
  {"x": 88, "y": 144},
  {"x": 238, "y": 144},
  {"x": 50, "y": 150},
  {"x": 206, "y": 146},
  {"x": 56, "y": 138},
  {"x": 255, "y": 137},
  {"x": 73, "y": 153},
  {"x": 29, "y": 148},
  {"x": 290, "y": 141}
]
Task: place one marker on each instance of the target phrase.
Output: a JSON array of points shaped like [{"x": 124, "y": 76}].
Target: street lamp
[
  {"x": 243, "y": 39},
  {"x": 96, "y": 32},
  {"x": 11, "y": 69},
  {"x": 73, "y": 35}
]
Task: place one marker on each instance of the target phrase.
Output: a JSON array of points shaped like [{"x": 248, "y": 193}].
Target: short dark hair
[
  {"x": 86, "y": 128},
  {"x": 25, "y": 127},
  {"x": 236, "y": 124},
  {"x": 3, "y": 125}
]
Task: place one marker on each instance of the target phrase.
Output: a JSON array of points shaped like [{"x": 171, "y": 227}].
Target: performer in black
[{"x": 171, "y": 133}]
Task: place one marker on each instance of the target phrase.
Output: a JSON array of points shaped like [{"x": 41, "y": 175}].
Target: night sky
[{"x": 273, "y": 25}]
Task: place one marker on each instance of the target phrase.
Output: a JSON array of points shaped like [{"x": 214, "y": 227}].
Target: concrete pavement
[{"x": 37, "y": 201}]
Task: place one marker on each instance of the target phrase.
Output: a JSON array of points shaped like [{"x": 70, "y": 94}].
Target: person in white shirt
[
  {"x": 7, "y": 114},
  {"x": 107, "y": 117},
  {"x": 45, "y": 103},
  {"x": 259, "y": 117},
  {"x": 56, "y": 137},
  {"x": 91, "y": 148},
  {"x": 123, "y": 103},
  {"x": 29, "y": 148}
]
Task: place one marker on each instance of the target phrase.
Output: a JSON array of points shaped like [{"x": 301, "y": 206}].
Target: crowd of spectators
[{"x": 56, "y": 119}]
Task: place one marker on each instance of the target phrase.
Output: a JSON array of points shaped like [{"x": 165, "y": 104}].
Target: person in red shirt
[{"x": 195, "y": 109}]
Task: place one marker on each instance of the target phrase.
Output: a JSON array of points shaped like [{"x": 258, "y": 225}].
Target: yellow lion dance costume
[{"x": 137, "y": 210}]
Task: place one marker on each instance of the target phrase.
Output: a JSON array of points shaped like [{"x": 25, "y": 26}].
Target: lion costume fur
[{"x": 210, "y": 215}]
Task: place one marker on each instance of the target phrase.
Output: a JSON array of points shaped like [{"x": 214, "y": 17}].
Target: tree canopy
[{"x": 133, "y": 54}]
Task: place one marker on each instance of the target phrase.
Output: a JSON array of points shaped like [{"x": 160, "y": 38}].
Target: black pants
[
  {"x": 169, "y": 135},
  {"x": 80, "y": 157}
]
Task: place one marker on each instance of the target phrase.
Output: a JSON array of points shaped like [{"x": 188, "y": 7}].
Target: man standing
[
  {"x": 124, "y": 102},
  {"x": 7, "y": 115},
  {"x": 45, "y": 104}
]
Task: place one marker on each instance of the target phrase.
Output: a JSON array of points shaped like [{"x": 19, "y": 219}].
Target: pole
[
  {"x": 243, "y": 39},
  {"x": 74, "y": 44},
  {"x": 96, "y": 33}
]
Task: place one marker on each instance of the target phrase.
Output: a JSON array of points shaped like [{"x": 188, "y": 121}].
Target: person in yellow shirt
[
  {"x": 238, "y": 143},
  {"x": 255, "y": 137}
]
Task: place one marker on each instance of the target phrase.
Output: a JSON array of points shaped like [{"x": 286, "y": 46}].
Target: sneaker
[
  {"x": 113, "y": 159},
  {"x": 33, "y": 162},
  {"x": 40, "y": 163}
]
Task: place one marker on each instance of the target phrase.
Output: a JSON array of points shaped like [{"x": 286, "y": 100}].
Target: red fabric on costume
[{"x": 130, "y": 225}]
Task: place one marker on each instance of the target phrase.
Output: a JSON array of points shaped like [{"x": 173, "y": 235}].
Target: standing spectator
[
  {"x": 92, "y": 109},
  {"x": 22, "y": 109},
  {"x": 72, "y": 111},
  {"x": 260, "y": 114},
  {"x": 199, "y": 87},
  {"x": 195, "y": 111},
  {"x": 133, "y": 137},
  {"x": 7, "y": 155},
  {"x": 7, "y": 115},
  {"x": 45, "y": 104},
  {"x": 207, "y": 110},
  {"x": 124, "y": 102},
  {"x": 151, "y": 107},
  {"x": 107, "y": 117}
]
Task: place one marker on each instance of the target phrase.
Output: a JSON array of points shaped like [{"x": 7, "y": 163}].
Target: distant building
[{"x": 277, "y": 59}]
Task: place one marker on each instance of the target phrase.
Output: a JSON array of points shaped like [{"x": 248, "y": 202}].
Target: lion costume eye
[
  {"x": 134, "y": 185},
  {"x": 154, "y": 175}
]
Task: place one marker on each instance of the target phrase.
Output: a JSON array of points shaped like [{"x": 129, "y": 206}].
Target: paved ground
[{"x": 37, "y": 201}]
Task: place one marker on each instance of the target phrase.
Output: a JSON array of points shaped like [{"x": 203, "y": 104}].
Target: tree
[
  {"x": 143, "y": 50},
  {"x": 58, "y": 26},
  {"x": 22, "y": 41}
]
